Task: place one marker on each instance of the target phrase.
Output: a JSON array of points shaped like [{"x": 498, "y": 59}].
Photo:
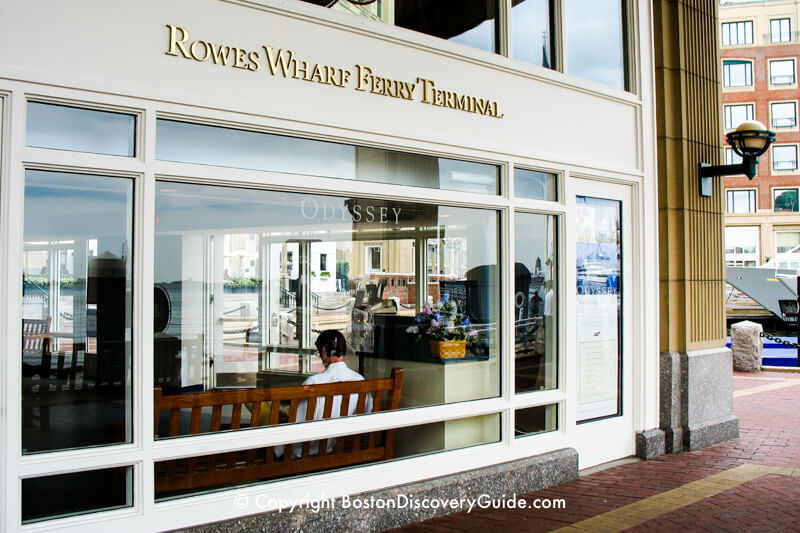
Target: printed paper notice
[{"x": 597, "y": 361}]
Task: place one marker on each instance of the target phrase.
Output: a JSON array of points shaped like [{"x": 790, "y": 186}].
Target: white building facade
[{"x": 191, "y": 191}]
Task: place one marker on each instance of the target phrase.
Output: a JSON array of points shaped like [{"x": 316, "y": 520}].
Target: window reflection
[
  {"x": 534, "y": 420},
  {"x": 470, "y": 22},
  {"x": 80, "y": 130},
  {"x": 536, "y": 345},
  {"x": 244, "y": 294},
  {"x": 210, "y": 145},
  {"x": 535, "y": 184},
  {"x": 594, "y": 40},
  {"x": 533, "y": 37},
  {"x": 76, "y": 311}
]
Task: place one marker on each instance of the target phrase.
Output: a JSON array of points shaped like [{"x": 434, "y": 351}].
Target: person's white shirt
[{"x": 336, "y": 372}]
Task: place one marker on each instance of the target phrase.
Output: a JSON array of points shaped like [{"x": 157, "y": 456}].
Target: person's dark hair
[{"x": 333, "y": 341}]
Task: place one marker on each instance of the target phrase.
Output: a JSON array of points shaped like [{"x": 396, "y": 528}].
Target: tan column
[
  {"x": 691, "y": 240},
  {"x": 696, "y": 389}
]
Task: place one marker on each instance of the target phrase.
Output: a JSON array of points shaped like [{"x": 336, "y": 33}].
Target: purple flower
[
  {"x": 435, "y": 323},
  {"x": 472, "y": 333},
  {"x": 427, "y": 309}
]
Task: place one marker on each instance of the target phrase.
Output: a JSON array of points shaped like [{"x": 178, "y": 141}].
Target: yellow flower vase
[{"x": 449, "y": 349}]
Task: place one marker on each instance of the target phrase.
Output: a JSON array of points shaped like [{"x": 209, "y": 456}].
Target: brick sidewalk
[{"x": 748, "y": 484}]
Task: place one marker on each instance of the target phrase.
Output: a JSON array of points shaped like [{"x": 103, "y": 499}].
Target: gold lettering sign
[{"x": 286, "y": 64}]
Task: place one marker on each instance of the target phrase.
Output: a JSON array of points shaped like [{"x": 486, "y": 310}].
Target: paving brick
[{"x": 755, "y": 484}]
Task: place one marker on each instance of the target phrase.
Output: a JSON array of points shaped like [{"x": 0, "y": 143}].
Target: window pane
[
  {"x": 741, "y": 243},
  {"x": 784, "y": 157},
  {"x": 80, "y": 130},
  {"x": 49, "y": 497},
  {"x": 171, "y": 478},
  {"x": 531, "y": 21},
  {"x": 76, "y": 311},
  {"x": 786, "y": 241},
  {"x": 731, "y": 157},
  {"x": 470, "y": 22},
  {"x": 784, "y": 114},
  {"x": 599, "y": 307},
  {"x": 226, "y": 147},
  {"x": 535, "y": 184},
  {"x": 734, "y": 33},
  {"x": 741, "y": 201},
  {"x": 781, "y": 72},
  {"x": 536, "y": 303},
  {"x": 736, "y": 114},
  {"x": 256, "y": 329},
  {"x": 534, "y": 420},
  {"x": 780, "y": 30},
  {"x": 737, "y": 73},
  {"x": 594, "y": 34},
  {"x": 786, "y": 199}
]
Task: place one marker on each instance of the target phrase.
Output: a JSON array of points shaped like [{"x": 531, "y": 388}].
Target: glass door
[{"x": 601, "y": 359}]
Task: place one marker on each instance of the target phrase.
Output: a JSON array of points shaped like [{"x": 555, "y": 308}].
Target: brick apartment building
[{"x": 759, "y": 49}]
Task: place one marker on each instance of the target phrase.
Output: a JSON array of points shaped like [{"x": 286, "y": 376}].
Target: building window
[
  {"x": 780, "y": 30},
  {"x": 731, "y": 157},
  {"x": 785, "y": 199},
  {"x": 77, "y": 311},
  {"x": 737, "y": 73},
  {"x": 535, "y": 420},
  {"x": 781, "y": 72},
  {"x": 323, "y": 262},
  {"x": 531, "y": 22},
  {"x": 784, "y": 157},
  {"x": 535, "y": 184},
  {"x": 787, "y": 241},
  {"x": 743, "y": 201},
  {"x": 373, "y": 255},
  {"x": 734, "y": 33},
  {"x": 80, "y": 130},
  {"x": 741, "y": 245},
  {"x": 736, "y": 114},
  {"x": 784, "y": 114},
  {"x": 595, "y": 40},
  {"x": 536, "y": 303},
  {"x": 227, "y": 147}
]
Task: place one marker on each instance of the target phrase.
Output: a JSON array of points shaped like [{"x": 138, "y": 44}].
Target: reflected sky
[
  {"x": 531, "y": 32},
  {"x": 80, "y": 130},
  {"x": 593, "y": 40}
]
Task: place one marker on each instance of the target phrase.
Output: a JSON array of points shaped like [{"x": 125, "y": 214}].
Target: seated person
[{"x": 331, "y": 347}]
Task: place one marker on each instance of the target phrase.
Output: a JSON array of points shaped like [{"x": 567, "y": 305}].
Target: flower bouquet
[{"x": 448, "y": 331}]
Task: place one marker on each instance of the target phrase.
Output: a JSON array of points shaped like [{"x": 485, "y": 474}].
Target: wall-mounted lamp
[{"x": 750, "y": 140}]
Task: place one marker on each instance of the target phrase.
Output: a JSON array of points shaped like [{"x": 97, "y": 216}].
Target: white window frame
[
  {"x": 731, "y": 109},
  {"x": 753, "y": 202},
  {"x": 784, "y": 168},
  {"x": 772, "y": 120},
  {"x": 776, "y": 191},
  {"x": 783, "y": 84},
  {"x": 782, "y": 36},
  {"x": 740, "y": 31},
  {"x": 727, "y": 64}
]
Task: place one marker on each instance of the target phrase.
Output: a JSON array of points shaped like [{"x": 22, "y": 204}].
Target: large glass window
[
  {"x": 780, "y": 30},
  {"x": 226, "y": 147},
  {"x": 80, "y": 130},
  {"x": 784, "y": 114},
  {"x": 737, "y": 33},
  {"x": 736, "y": 114},
  {"x": 737, "y": 73},
  {"x": 470, "y": 22},
  {"x": 595, "y": 40},
  {"x": 532, "y": 32},
  {"x": 785, "y": 199},
  {"x": 76, "y": 311},
  {"x": 536, "y": 303},
  {"x": 781, "y": 72},
  {"x": 223, "y": 328},
  {"x": 599, "y": 307},
  {"x": 731, "y": 157},
  {"x": 741, "y": 201},
  {"x": 784, "y": 157},
  {"x": 741, "y": 245}
]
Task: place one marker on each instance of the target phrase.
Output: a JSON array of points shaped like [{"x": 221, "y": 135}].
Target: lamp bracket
[{"x": 748, "y": 167}]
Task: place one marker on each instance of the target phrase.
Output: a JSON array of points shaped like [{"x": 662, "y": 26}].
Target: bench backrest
[{"x": 255, "y": 464}]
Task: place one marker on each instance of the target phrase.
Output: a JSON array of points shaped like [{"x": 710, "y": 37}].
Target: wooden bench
[{"x": 261, "y": 463}]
